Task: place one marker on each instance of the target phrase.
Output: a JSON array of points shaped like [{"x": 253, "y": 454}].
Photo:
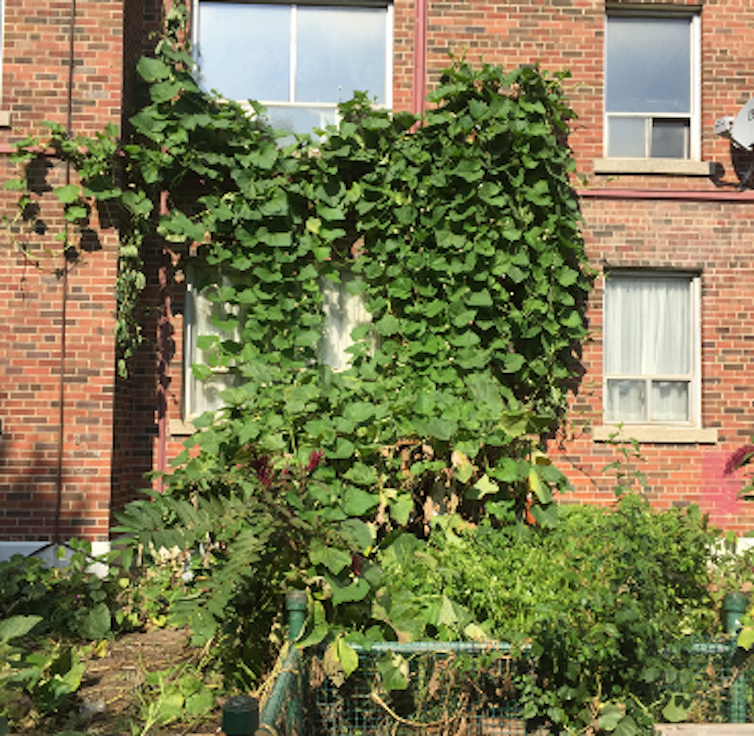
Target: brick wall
[
  {"x": 703, "y": 224},
  {"x": 708, "y": 230},
  {"x": 35, "y": 84}
]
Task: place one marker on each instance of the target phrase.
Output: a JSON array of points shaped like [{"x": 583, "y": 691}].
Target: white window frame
[
  {"x": 291, "y": 102},
  {"x": 336, "y": 331},
  {"x": 190, "y": 335},
  {"x": 694, "y": 146},
  {"x": 694, "y": 377}
]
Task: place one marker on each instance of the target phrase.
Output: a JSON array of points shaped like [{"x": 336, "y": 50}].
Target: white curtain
[
  {"x": 648, "y": 333},
  {"x": 343, "y": 312},
  {"x": 205, "y": 395}
]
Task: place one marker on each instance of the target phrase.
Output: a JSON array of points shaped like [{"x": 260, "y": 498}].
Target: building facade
[{"x": 667, "y": 208}]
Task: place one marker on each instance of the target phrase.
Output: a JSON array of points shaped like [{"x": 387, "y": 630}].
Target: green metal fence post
[
  {"x": 734, "y": 607},
  {"x": 240, "y": 716},
  {"x": 296, "y": 602}
]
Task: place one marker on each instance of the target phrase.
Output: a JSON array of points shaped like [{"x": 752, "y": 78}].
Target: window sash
[
  {"x": 293, "y": 89},
  {"x": 652, "y": 349},
  {"x": 342, "y": 311},
  {"x": 652, "y": 111}
]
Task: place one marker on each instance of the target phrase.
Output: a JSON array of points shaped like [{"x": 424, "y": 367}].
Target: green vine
[{"x": 461, "y": 232}]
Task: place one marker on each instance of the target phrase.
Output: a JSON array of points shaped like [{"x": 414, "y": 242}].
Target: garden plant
[{"x": 420, "y": 467}]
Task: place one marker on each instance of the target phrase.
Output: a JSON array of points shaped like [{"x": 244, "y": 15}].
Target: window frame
[
  {"x": 694, "y": 377},
  {"x": 694, "y": 143},
  {"x": 338, "y": 358},
  {"x": 190, "y": 335},
  {"x": 292, "y": 104}
]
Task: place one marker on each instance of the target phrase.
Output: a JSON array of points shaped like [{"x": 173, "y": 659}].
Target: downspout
[
  {"x": 420, "y": 56},
  {"x": 64, "y": 298},
  {"x": 163, "y": 363}
]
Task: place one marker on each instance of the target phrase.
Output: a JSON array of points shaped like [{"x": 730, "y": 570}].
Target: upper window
[
  {"x": 652, "y": 86},
  {"x": 299, "y": 60},
  {"x": 651, "y": 348}
]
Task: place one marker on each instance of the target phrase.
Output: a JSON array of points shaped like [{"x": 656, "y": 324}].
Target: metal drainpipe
[
  {"x": 420, "y": 56},
  {"x": 163, "y": 360},
  {"x": 64, "y": 297}
]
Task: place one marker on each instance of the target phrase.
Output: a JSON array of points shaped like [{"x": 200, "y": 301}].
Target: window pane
[
  {"x": 206, "y": 394},
  {"x": 626, "y": 401},
  {"x": 300, "y": 119},
  {"x": 344, "y": 312},
  {"x": 648, "y": 64},
  {"x": 669, "y": 138},
  {"x": 647, "y": 325},
  {"x": 670, "y": 401},
  {"x": 627, "y": 137},
  {"x": 340, "y": 50},
  {"x": 244, "y": 50}
]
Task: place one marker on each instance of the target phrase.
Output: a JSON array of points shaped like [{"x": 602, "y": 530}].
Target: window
[
  {"x": 205, "y": 316},
  {"x": 202, "y": 317},
  {"x": 651, "y": 348},
  {"x": 299, "y": 60},
  {"x": 652, "y": 86}
]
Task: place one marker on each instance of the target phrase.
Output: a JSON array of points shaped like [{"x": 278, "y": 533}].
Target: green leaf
[
  {"x": 152, "y": 70},
  {"x": 17, "y": 626},
  {"x": 610, "y": 716},
  {"x": 68, "y": 193},
  {"x": 335, "y": 560},
  {"x": 401, "y": 508},
  {"x": 362, "y": 475},
  {"x": 394, "y": 671},
  {"x": 483, "y": 487},
  {"x": 97, "y": 623},
  {"x": 343, "y": 449},
  {"x": 677, "y": 708},
  {"x": 357, "y": 502},
  {"x": 540, "y": 489},
  {"x": 627, "y": 727},
  {"x": 388, "y": 325},
  {"x": 347, "y": 591},
  {"x": 746, "y": 638},
  {"x": 346, "y": 655}
]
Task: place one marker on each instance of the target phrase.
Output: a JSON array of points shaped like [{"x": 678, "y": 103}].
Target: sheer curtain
[
  {"x": 200, "y": 309},
  {"x": 648, "y": 334},
  {"x": 344, "y": 312}
]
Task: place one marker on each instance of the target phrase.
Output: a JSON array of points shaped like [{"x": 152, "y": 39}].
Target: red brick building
[{"x": 668, "y": 216}]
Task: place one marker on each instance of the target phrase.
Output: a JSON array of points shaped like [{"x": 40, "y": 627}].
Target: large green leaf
[{"x": 17, "y": 626}]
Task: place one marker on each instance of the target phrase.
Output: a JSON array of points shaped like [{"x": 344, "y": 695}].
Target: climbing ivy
[{"x": 461, "y": 232}]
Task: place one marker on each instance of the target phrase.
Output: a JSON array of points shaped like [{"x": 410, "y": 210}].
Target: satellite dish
[{"x": 742, "y": 132}]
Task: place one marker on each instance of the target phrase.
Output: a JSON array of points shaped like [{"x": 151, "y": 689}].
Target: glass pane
[
  {"x": 340, "y": 50},
  {"x": 670, "y": 401},
  {"x": 300, "y": 119},
  {"x": 244, "y": 50},
  {"x": 344, "y": 312},
  {"x": 648, "y": 329},
  {"x": 206, "y": 394},
  {"x": 626, "y": 400},
  {"x": 670, "y": 139},
  {"x": 627, "y": 137},
  {"x": 648, "y": 64}
]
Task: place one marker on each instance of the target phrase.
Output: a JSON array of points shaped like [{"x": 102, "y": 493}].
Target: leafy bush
[
  {"x": 70, "y": 601},
  {"x": 33, "y": 682},
  {"x": 601, "y": 600}
]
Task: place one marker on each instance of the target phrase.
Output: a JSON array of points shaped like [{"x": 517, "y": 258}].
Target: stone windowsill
[
  {"x": 181, "y": 427},
  {"x": 654, "y": 434},
  {"x": 4, "y": 118},
  {"x": 667, "y": 166}
]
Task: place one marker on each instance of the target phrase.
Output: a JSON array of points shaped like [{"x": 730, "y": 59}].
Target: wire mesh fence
[
  {"x": 453, "y": 689},
  {"x": 467, "y": 689}
]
